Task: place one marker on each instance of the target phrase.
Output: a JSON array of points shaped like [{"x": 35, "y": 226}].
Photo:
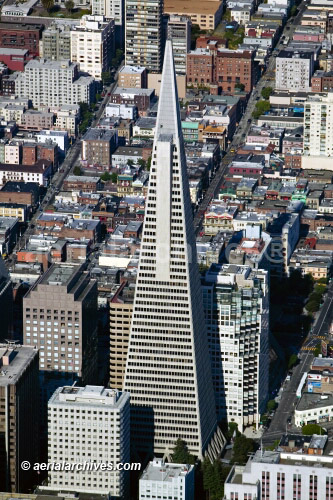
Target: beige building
[
  {"x": 206, "y": 15},
  {"x": 19, "y": 414},
  {"x": 121, "y": 307},
  {"x": 155, "y": 79},
  {"x": 60, "y": 319},
  {"x": 132, "y": 77},
  {"x": 13, "y": 153},
  {"x": 92, "y": 45}
]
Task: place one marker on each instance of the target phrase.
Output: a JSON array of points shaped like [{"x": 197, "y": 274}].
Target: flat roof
[
  {"x": 19, "y": 357},
  {"x": 191, "y": 7},
  {"x": 158, "y": 470},
  {"x": 312, "y": 401}
]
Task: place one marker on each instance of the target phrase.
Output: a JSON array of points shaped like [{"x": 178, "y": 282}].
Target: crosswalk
[{"x": 308, "y": 348}]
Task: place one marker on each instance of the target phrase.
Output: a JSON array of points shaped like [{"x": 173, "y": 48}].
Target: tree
[
  {"x": 149, "y": 163},
  {"x": 240, "y": 86},
  {"x": 142, "y": 163},
  {"x": 48, "y": 4},
  {"x": 130, "y": 163},
  {"x": 317, "y": 350},
  {"x": 106, "y": 77},
  {"x": 293, "y": 10},
  {"x": 69, "y": 4},
  {"x": 261, "y": 108},
  {"x": 214, "y": 476},
  {"x": 271, "y": 405},
  {"x": 114, "y": 178},
  {"x": 242, "y": 447},
  {"x": 266, "y": 92},
  {"x": 106, "y": 176},
  {"x": 181, "y": 454},
  {"x": 77, "y": 170},
  {"x": 292, "y": 361},
  {"x": 310, "y": 429}
]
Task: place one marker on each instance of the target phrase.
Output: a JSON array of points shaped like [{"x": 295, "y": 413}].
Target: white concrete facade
[
  {"x": 270, "y": 475},
  {"x": 167, "y": 370},
  {"x": 318, "y": 126},
  {"x": 167, "y": 480},
  {"x": 91, "y": 424}
]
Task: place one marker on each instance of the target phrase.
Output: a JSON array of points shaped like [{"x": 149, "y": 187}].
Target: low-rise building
[
  {"x": 98, "y": 145},
  {"x": 164, "y": 480}
]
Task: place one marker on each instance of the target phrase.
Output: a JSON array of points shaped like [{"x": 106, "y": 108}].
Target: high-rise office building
[
  {"x": 179, "y": 32},
  {"x": 6, "y": 300},
  {"x": 60, "y": 319},
  {"x": 19, "y": 416},
  {"x": 168, "y": 371},
  {"x": 92, "y": 424},
  {"x": 121, "y": 308},
  {"x": 236, "y": 304},
  {"x": 112, "y": 9},
  {"x": 144, "y": 34}
]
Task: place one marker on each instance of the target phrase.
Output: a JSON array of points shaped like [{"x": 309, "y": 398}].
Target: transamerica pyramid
[{"x": 168, "y": 371}]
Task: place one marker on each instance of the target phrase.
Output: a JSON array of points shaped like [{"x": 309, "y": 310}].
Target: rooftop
[
  {"x": 133, "y": 70},
  {"x": 158, "y": 470},
  {"x": 133, "y": 91},
  {"x": 98, "y": 134},
  {"x": 13, "y": 362},
  {"x": 310, "y": 401},
  {"x": 90, "y": 395}
]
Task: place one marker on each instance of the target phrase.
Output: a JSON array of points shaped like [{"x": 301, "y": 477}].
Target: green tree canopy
[
  {"x": 261, "y": 108},
  {"x": 292, "y": 361},
  {"x": 77, "y": 170},
  {"x": 180, "y": 454},
  {"x": 266, "y": 92},
  {"x": 309, "y": 429},
  {"x": 48, "y": 4},
  {"x": 271, "y": 405},
  {"x": 69, "y": 4},
  {"x": 106, "y": 176},
  {"x": 241, "y": 449}
]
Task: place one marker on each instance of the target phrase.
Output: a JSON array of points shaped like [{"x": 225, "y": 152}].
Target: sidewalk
[{"x": 253, "y": 434}]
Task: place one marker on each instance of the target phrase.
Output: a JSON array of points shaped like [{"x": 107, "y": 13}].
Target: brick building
[
  {"x": 141, "y": 98},
  {"x": 227, "y": 69},
  {"x": 48, "y": 151},
  {"x": 29, "y": 154},
  {"x": 322, "y": 81},
  {"x": 82, "y": 183},
  {"x": 98, "y": 145},
  {"x": 26, "y": 193},
  {"x": 21, "y": 36}
]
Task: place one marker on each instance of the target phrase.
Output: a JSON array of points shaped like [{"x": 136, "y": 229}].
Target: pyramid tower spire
[{"x": 168, "y": 370}]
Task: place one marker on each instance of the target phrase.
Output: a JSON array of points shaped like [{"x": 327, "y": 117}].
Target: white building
[
  {"x": 89, "y": 424},
  {"x": 59, "y": 137},
  {"x": 318, "y": 126},
  {"x": 314, "y": 407},
  {"x": 92, "y": 45},
  {"x": 236, "y": 303},
  {"x": 67, "y": 117},
  {"x": 168, "y": 368},
  {"x": 179, "y": 32},
  {"x": 54, "y": 83},
  {"x": 241, "y": 13},
  {"x": 111, "y": 9},
  {"x": 294, "y": 70},
  {"x": 271, "y": 475},
  {"x": 167, "y": 480},
  {"x": 126, "y": 111},
  {"x": 13, "y": 153}
]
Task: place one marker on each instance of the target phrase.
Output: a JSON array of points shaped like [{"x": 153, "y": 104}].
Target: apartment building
[
  {"x": 318, "y": 126},
  {"x": 19, "y": 416},
  {"x": 92, "y": 45},
  {"x": 229, "y": 70},
  {"x": 132, "y": 77},
  {"x": 294, "y": 70},
  {"x": 13, "y": 153},
  {"x": 55, "y": 43},
  {"x": 54, "y": 83},
  {"x": 144, "y": 34},
  {"x": 93, "y": 424},
  {"x": 322, "y": 81},
  {"x": 21, "y": 36},
  {"x": 236, "y": 305},
  {"x": 40, "y": 172},
  {"x": 206, "y": 15},
  {"x": 179, "y": 32},
  {"x": 98, "y": 146},
  {"x": 112, "y": 9}
]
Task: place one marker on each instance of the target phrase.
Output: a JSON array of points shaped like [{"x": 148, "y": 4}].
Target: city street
[{"x": 288, "y": 397}]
